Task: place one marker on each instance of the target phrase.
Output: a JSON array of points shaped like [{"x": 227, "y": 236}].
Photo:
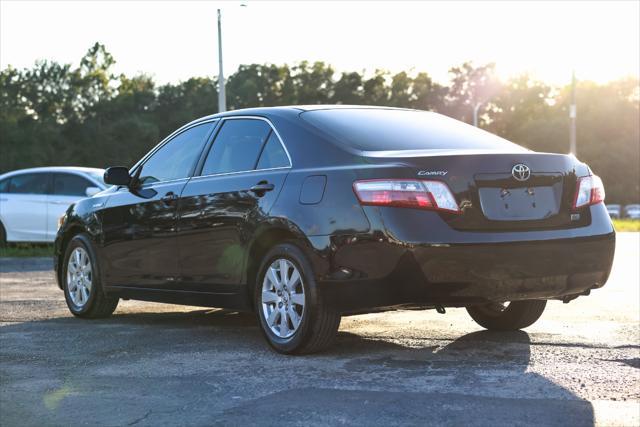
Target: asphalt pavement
[{"x": 156, "y": 364}]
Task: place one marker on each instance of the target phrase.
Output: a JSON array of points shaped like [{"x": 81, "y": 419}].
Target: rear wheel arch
[{"x": 261, "y": 245}]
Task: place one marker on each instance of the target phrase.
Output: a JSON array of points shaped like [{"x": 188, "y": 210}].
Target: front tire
[
  {"x": 500, "y": 317},
  {"x": 294, "y": 317},
  {"x": 81, "y": 278}
]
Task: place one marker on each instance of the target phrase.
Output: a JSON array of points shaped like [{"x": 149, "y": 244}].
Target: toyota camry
[{"x": 305, "y": 214}]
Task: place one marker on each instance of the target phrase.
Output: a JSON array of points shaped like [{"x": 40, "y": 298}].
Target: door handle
[
  {"x": 260, "y": 188},
  {"x": 170, "y": 197}
]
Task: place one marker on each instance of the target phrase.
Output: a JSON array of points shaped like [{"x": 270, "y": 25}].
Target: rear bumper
[
  {"x": 374, "y": 271},
  {"x": 460, "y": 275}
]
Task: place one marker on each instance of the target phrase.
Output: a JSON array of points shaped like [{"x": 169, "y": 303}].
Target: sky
[{"x": 174, "y": 40}]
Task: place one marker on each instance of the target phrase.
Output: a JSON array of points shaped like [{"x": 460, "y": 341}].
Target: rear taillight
[
  {"x": 589, "y": 191},
  {"x": 433, "y": 195}
]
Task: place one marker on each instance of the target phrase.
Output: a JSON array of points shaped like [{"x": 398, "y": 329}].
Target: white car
[
  {"x": 614, "y": 210},
  {"x": 632, "y": 211},
  {"x": 32, "y": 200}
]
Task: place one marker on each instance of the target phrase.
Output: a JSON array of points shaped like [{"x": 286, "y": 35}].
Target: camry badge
[
  {"x": 521, "y": 172},
  {"x": 432, "y": 173}
]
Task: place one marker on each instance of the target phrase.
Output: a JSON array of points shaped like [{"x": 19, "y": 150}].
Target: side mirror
[
  {"x": 92, "y": 191},
  {"x": 117, "y": 175}
]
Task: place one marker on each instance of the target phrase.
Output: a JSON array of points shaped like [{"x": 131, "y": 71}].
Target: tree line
[{"x": 59, "y": 114}]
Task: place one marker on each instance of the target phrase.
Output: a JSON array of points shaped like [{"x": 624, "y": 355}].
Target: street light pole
[
  {"x": 476, "y": 108},
  {"x": 222, "y": 98},
  {"x": 572, "y": 117}
]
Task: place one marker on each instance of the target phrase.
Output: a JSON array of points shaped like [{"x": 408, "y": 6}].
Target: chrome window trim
[{"x": 239, "y": 172}]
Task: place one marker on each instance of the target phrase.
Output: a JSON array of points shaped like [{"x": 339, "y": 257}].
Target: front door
[
  {"x": 219, "y": 210},
  {"x": 139, "y": 245},
  {"x": 23, "y": 207}
]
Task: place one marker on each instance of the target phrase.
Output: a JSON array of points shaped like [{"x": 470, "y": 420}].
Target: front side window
[
  {"x": 176, "y": 158},
  {"x": 273, "y": 154},
  {"x": 67, "y": 184},
  {"x": 237, "y": 146},
  {"x": 29, "y": 183},
  {"x": 98, "y": 176}
]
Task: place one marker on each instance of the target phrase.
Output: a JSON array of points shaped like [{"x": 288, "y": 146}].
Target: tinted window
[
  {"x": 176, "y": 158},
  {"x": 30, "y": 183},
  {"x": 386, "y": 130},
  {"x": 70, "y": 185},
  {"x": 237, "y": 146},
  {"x": 273, "y": 154},
  {"x": 4, "y": 185}
]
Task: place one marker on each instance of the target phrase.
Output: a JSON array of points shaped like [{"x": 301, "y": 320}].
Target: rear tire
[
  {"x": 516, "y": 315},
  {"x": 3, "y": 236},
  {"x": 81, "y": 281},
  {"x": 295, "y": 319}
]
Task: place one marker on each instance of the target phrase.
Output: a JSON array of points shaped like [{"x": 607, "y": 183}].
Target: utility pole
[
  {"x": 572, "y": 117},
  {"x": 476, "y": 109},
  {"x": 222, "y": 98}
]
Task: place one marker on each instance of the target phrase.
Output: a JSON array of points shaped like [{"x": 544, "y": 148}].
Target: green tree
[
  {"x": 470, "y": 86},
  {"x": 59, "y": 114},
  {"x": 348, "y": 89}
]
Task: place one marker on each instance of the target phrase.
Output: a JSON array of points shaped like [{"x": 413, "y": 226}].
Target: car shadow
[{"x": 436, "y": 381}]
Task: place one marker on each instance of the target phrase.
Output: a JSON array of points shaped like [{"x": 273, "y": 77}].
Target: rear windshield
[{"x": 390, "y": 130}]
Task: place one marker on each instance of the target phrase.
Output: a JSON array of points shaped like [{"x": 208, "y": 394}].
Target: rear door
[
  {"x": 67, "y": 188},
  {"x": 219, "y": 211},
  {"x": 23, "y": 207},
  {"x": 139, "y": 225}
]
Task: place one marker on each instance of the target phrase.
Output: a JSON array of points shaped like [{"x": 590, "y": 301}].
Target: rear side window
[
  {"x": 237, "y": 146},
  {"x": 273, "y": 154},
  {"x": 390, "y": 130},
  {"x": 68, "y": 184},
  {"x": 29, "y": 183},
  {"x": 176, "y": 158},
  {"x": 4, "y": 185}
]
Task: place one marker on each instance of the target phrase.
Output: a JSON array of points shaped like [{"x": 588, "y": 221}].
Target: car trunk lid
[{"x": 502, "y": 191}]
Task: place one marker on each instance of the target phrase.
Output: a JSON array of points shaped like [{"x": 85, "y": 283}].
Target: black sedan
[{"x": 305, "y": 214}]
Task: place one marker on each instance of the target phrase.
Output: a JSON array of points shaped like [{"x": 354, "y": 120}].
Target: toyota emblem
[{"x": 521, "y": 172}]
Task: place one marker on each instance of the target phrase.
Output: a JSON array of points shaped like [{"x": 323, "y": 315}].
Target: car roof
[
  {"x": 292, "y": 109},
  {"x": 78, "y": 169}
]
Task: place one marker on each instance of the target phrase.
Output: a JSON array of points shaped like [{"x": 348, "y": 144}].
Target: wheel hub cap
[
  {"x": 79, "y": 277},
  {"x": 283, "y": 298}
]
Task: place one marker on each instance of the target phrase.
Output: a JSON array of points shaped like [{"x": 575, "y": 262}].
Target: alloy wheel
[
  {"x": 283, "y": 298},
  {"x": 79, "y": 277}
]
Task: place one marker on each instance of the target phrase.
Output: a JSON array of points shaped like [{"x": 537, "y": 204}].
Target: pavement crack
[{"x": 137, "y": 420}]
